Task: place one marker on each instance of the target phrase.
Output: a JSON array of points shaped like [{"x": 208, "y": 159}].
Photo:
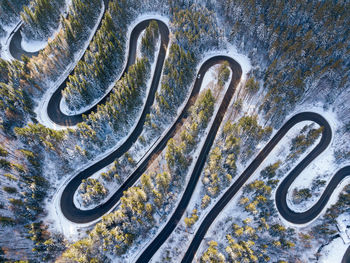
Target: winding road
[
  {"x": 281, "y": 193},
  {"x": 70, "y": 211},
  {"x": 76, "y": 215}
]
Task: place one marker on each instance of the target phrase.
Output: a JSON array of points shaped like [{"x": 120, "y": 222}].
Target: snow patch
[
  {"x": 343, "y": 224},
  {"x": 333, "y": 252},
  {"x": 33, "y": 45},
  {"x": 37, "y": 45}
]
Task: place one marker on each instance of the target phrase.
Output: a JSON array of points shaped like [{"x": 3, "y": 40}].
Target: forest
[{"x": 294, "y": 56}]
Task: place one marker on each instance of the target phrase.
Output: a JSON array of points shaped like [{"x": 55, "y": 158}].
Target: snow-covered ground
[
  {"x": 343, "y": 225},
  {"x": 27, "y": 45},
  {"x": 230, "y": 51},
  {"x": 323, "y": 167},
  {"x": 333, "y": 252},
  {"x": 279, "y": 152},
  {"x": 110, "y": 186},
  {"x": 185, "y": 235},
  {"x": 33, "y": 45},
  {"x": 140, "y": 152},
  {"x": 59, "y": 222},
  {"x": 325, "y": 161},
  {"x": 72, "y": 230},
  {"x": 181, "y": 237},
  {"x": 139, "y": 46}
]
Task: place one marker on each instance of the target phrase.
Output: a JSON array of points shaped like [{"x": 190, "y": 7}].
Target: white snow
[
  {"x": 229, "y": 211},
  {"x": 324, "y": 165},
  {"x": 70, "y": 229},
  {"x": 208, "y": 78},
  {"x": 111, "y": 186},
  {"x": 343, "y": 224},
  {"x": 333, "y": 252},
  {"x": 58, "y": 222},
  {"x": 36, "y": 45},
  {"x": 325, "y": 162},
  {"x": 139, "y": 46},
  {"x": 33, "y": 45},
  {"x": 29, "y": 46},
  {"x": 279, "y": 152},
  {"x": 230, "y": 51}
]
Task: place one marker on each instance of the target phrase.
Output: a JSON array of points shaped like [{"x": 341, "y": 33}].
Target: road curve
[
  {"x": 315, "y": 210},
  {"x": 283, "y": 188},
  {"x": 15, "y": 46},
  {"x": 15, "y": 39},
  {"x": 53, "y": 109},
  {"x": 76, "y": 215}
]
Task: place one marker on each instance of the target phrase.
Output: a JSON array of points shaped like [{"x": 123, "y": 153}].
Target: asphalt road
[
  {"x": 70, "y": 211},
  {"x": 298, "y": 218},
  {"x": 181, "y": 208},
  {"x": 346, "y": 258}
]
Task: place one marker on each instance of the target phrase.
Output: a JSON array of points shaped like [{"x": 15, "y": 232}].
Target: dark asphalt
[
  {"x": 181, "y": 208},
  {"x": 283, "y": 188},
  {"x": 346, "y": 258}
]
